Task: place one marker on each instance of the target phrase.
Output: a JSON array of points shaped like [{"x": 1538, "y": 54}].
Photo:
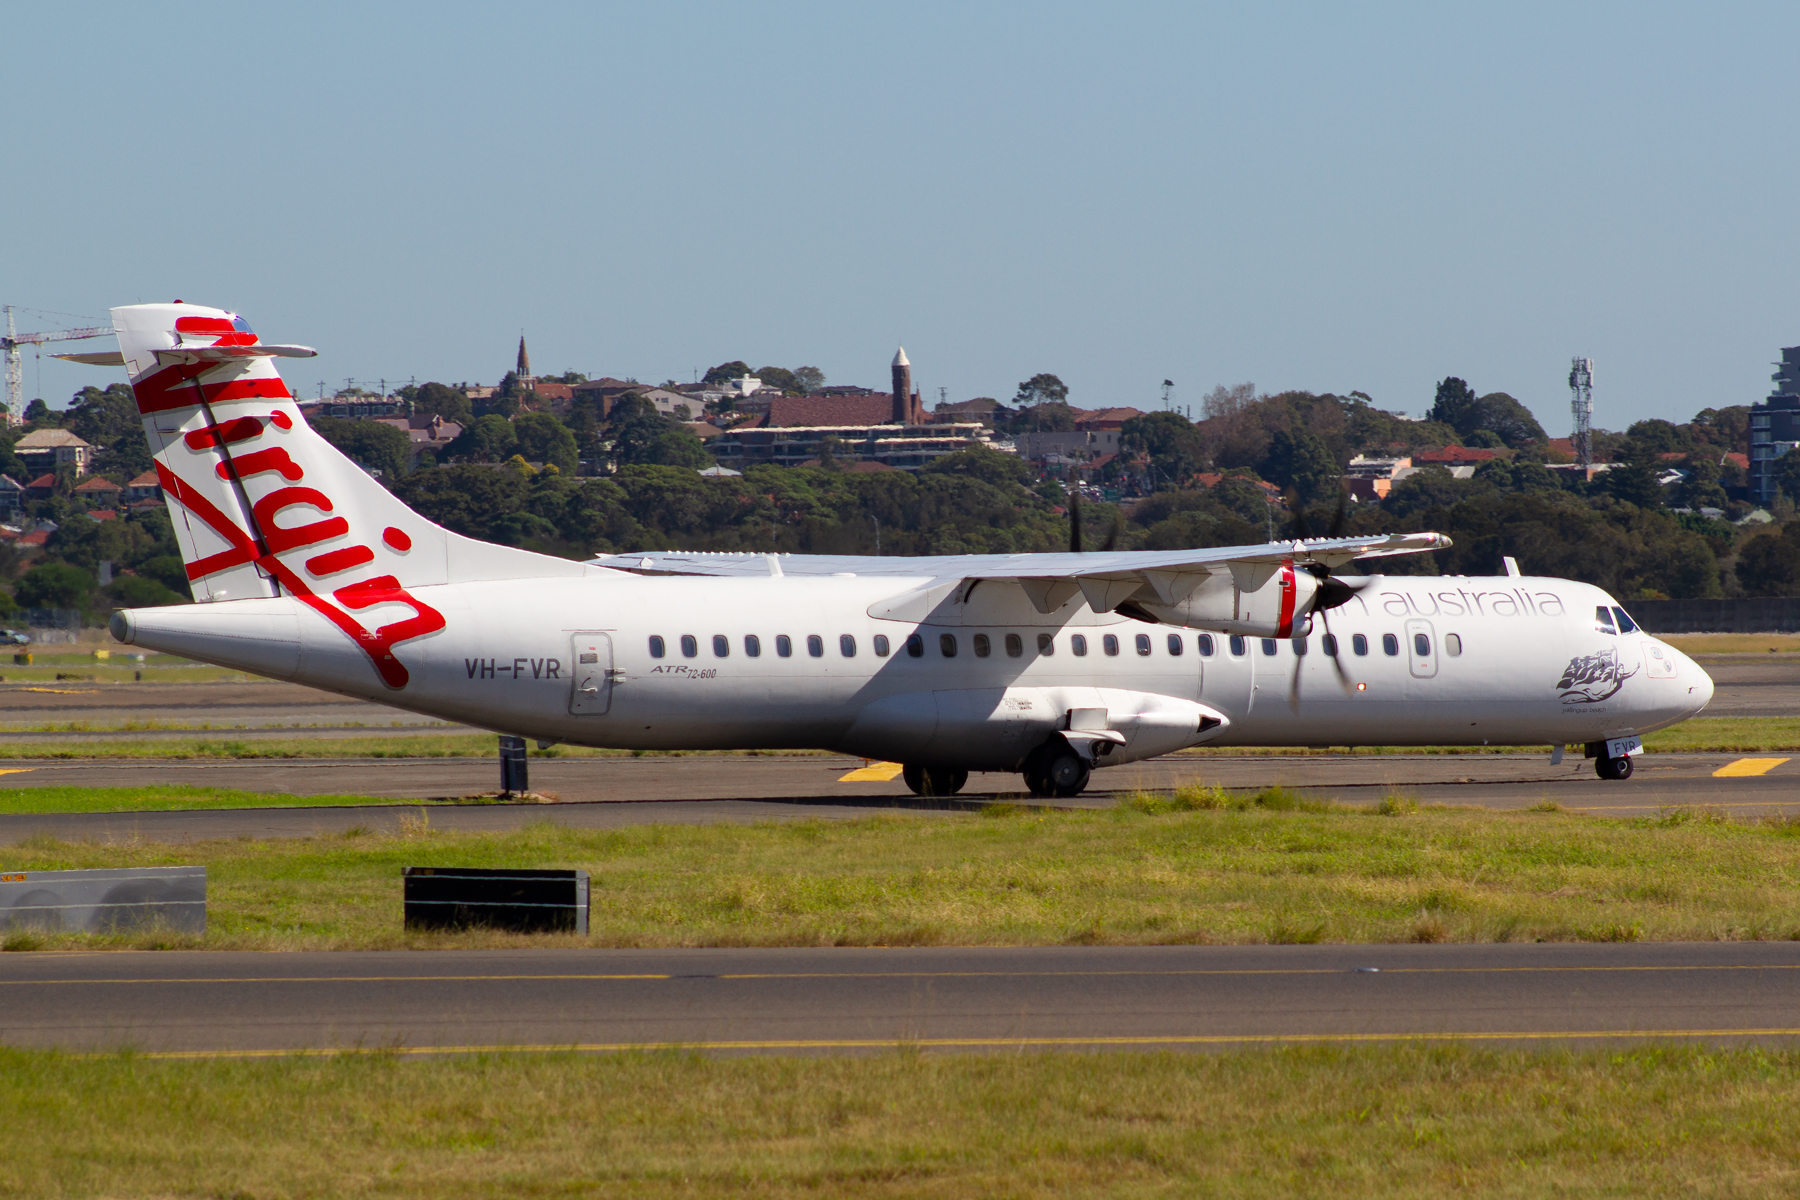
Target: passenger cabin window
[
  {"x": 1626, "y": 624},
  {"x": 1237, "y": 645},
  {"x": 1077, "y": 644},
  {"x": 1205, "y": 643},
  {"x": 1359, "y": 645},
  {"x": 1046, "y": 645},
  {"x": 1175, "y": 645},
  {"x": 881, "y": 645},
  {"x": 1328, "y": 644},
  {"x": 752, "y": 646},
  {"x": 815, "y": 645},
  {"x": 983, "y": 647},
  {"x": 1453, "y": 644},
  {"x": 721, "y": 646},
  {"x": 947, "y": 645},
  {"x": 846, "y": 645},
  {"x": 1268, "y": 647},
  {"x": 1603, "y": 620},
  {"x": 657, "y": 648},
  {"x": 689, "y": 647},
  {"x": 784, "y": 645},
  {"x": 1390, "y": 645},
  {"x": 1421, "y": 645},
  {"x": 1110, "y": 644},
  {"x": 1142, "y": 642},
  {"x": 1015, "y": 645},
  {"x": 915, "y": 646},
  {"x": 1299, "y": 646}
]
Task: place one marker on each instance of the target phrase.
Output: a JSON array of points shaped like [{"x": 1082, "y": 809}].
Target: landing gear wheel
[
  {"x": 1613, "y": 768},
  {"x": 933, "y": 781},
  {"x": 1061, "y": 775}
]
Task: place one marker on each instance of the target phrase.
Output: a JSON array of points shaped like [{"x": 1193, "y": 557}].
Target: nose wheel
[
  {"x": 1057, "y": 771},
  {"x": 1613, "y": 768}
]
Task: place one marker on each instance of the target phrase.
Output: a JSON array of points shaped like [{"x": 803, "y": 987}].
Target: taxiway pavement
[
  {"x": 851, "y": 1000},
  {"x": 610, "y": 793}
]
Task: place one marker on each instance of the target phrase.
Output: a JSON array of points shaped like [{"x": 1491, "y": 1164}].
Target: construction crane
[{"x": 15, "y": 367}]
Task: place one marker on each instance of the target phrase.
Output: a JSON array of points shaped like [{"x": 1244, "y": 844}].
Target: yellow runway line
[
  {"x": 881, "y": 772},
  {"x": 1747, "y": 766},
  {"x": 15, "y": 770}
]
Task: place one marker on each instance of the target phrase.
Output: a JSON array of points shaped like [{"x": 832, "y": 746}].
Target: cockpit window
[
  {"x": 1603, "y": 620},
  {"x": 1626, "y": 624}
]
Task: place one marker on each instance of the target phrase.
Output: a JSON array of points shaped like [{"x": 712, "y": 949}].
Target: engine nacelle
[{"x": 1251, "y": 599}]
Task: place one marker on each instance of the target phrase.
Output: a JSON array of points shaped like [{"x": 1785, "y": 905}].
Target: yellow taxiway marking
[
  {"x": 57, "y": 691},
  {"x": 978, "y": 1043},
  {"x": 880, "y": 772},
  {"x": 15, "y": 770},
  {"x": 1747, "y": 766},
  {"x": 745, "y": 975}
]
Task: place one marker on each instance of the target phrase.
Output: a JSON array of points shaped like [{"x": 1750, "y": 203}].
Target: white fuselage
[{"x": 1420, "y": 660}]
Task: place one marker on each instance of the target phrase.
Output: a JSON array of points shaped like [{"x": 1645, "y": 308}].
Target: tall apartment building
[{"x": 1775, "y": 425}]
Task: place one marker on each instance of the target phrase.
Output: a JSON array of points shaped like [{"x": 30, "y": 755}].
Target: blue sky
[{"x": 1326, "y": 197}]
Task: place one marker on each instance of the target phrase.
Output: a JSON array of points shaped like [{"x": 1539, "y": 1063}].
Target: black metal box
[{"x": 523, "y": 901}]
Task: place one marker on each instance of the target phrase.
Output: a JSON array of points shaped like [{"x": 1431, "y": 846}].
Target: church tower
[
  {"x": 526, "y": 382},
  {"x": 905, "y": 405}
]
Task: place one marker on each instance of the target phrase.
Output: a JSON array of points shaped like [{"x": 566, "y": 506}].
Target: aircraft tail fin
[{"x": 263, "y": 506}]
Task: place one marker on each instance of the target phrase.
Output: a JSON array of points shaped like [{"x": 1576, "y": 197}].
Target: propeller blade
[
  {"x": 1333, "y": 591},
  {"x": 1299, "y": 510},
  {"x": 1112, "y": 535},
  {"x": 1075, "y": 517},
  {"x": 1337, "y": 660},
  {"x": 1343, "y": 513}
]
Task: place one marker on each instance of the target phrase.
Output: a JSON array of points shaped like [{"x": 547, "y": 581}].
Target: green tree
[
  {"x": 991, "y": 467},
  {"x": 110, "y": 421},
  {"x": 726, "y": 372},
  {"x": 1453, "y": 405},
  {"x": 437, "y": 400},
  {"x": 488, "y": 439},
  {"x": 1299, "y": 459},
  {"x": 1505, "y": 417},
  {"x": 137, "y": 591},
  {"x": 54, "y": 585},
  {"x": 1171, "y": 443},
  {"x": 1042, "y": 388},
  {"x": 642, "y": 437},
  {"x": 1769, "y": 563},
  {"x": 779, "y": 378},
  {"x": 381, "y": 449},
  {"x": 1635, "y": 483},
  {"x": 808, "y": 380},
  {"x": 543, "y": 438}
]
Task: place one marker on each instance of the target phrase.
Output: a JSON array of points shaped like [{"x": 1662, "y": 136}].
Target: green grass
[
  {"x": 1197, "y": 867},
  {"x": 1381, "y": 1121}
]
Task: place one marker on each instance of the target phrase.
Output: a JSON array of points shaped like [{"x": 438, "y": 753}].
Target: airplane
[{"x": 305, "y": 568}]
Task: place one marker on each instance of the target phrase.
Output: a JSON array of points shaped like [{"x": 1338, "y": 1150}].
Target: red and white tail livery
[{"x": 264, "y": 507}]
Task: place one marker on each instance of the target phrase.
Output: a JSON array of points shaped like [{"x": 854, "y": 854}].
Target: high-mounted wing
[{"x": 1260, "y": 591}]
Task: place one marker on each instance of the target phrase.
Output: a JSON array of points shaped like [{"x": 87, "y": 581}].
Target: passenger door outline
[
  {"x": 591, "y": 674},
  {"x": 1422, "y": 666}
]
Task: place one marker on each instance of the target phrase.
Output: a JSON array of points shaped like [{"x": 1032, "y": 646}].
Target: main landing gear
[
  {"x": 1606, "y": 767},
  {"x": 933, "y": 781},
  {"x": 1055, "y": 770}
]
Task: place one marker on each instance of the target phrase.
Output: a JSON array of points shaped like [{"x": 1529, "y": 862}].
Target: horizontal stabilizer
[
  {"x": 103, "y": 358},
  {"x": 200, "y": 354}
]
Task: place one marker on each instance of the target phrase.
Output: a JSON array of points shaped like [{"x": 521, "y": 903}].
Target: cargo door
[{"x": 591, "y": 689}]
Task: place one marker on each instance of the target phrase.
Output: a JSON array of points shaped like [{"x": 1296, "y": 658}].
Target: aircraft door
[
  {"x": 592, "y": 674},
  {"x": 1421, "y": 649}
]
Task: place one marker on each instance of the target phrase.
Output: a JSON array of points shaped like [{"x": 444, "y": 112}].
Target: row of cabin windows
[{"x": 983, "y": 645}]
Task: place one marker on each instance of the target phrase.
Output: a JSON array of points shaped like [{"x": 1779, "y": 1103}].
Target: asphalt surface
[
  {"x": 611, "y": 793},
  {"x": 857, "y": 1000}
]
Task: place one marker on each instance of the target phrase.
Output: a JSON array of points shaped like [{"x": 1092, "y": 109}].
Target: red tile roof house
[
  {"x": 1453, "y": 456},
  {"x": 99, "y": 489},
  {"x": 145, "y": 487}
]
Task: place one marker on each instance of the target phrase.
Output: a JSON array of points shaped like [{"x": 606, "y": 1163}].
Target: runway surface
[
  {"x": 850, "y": 1000},
  {"x": 610, "y": 793}
]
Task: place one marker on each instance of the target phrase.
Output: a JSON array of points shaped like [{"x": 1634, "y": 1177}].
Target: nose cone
[{"x": 1699, "y": 683}]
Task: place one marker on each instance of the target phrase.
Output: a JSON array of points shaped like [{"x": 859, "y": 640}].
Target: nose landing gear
[{"x": 1606, "y": 766}]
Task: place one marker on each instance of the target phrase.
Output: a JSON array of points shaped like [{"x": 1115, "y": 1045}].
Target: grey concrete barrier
[
  {"x": 105, "y": 901},
  {"x": 522, "y": 901}
]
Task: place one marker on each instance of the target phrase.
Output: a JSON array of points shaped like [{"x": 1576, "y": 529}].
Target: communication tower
[{"x": 1581, "y": 386}]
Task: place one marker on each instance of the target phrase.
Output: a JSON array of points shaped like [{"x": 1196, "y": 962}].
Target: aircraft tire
[
  {"x": 1622, "y": 767},
  {"x": 933, "y": 781},
  {"x": 1612, "y": 768},
  {"x": 1065, "y": 775}
]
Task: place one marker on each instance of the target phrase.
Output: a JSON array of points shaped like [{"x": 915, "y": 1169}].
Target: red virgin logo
[{"x": 269, "y": 540}]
